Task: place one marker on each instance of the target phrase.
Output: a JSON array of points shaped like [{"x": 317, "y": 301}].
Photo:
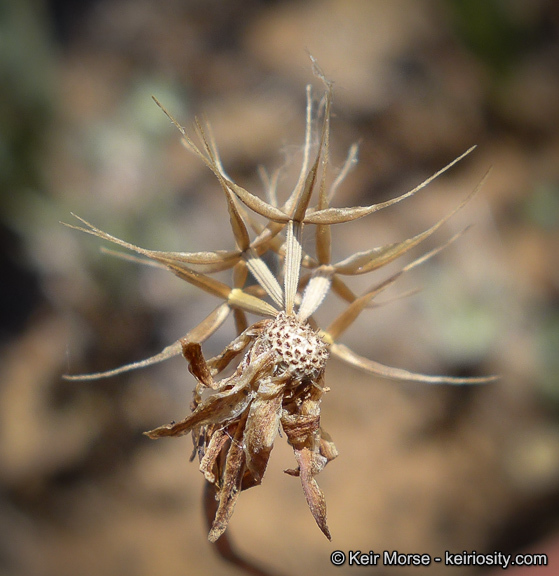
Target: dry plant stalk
[{"x": 279, "y": 379}]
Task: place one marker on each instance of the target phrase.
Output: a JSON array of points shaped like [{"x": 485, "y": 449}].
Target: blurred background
[{"x": 421, "y": 468}]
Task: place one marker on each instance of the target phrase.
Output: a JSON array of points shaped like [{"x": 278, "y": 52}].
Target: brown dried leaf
[
  {"x": 262, "y": 427},
  {"x": 220, "y": 407},
  {"x": 234, "y": 348},
  {"x": 327, "y": 447},
  {"x": 192, "y": 351},
  {"x": 231, "y": 484},
  {"x": 217, "y": 441},
  {"x": 300, "y": 429},
  {"x": 235, "y": 395},
  {"x": 308, "y": 465}
]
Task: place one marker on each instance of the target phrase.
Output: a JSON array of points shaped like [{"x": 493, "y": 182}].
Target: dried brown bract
[{"x": 278, "y": 381}]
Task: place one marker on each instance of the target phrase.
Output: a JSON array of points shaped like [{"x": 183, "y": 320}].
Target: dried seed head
[
  {"x": 299, "y": 350},
  {"x": 278, "y": 382}
]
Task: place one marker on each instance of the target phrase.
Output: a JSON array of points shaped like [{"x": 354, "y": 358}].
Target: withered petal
[
  {"x": 260, "y": 432},
  {"x": 222, "y": 360},
  {"x": 231, "y": 483},
  {"x": 221, "y": 407},
  {"x": 217, "y": 442},
  {"x": 313, "y": 494},
  {"x": 192, "y": 351},
  {"x": 327, "y": 447},
  {"x": 300, "y": 429}
]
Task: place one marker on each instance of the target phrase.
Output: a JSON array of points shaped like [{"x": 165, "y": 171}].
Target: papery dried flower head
[{"x": 278, "y": 381}]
